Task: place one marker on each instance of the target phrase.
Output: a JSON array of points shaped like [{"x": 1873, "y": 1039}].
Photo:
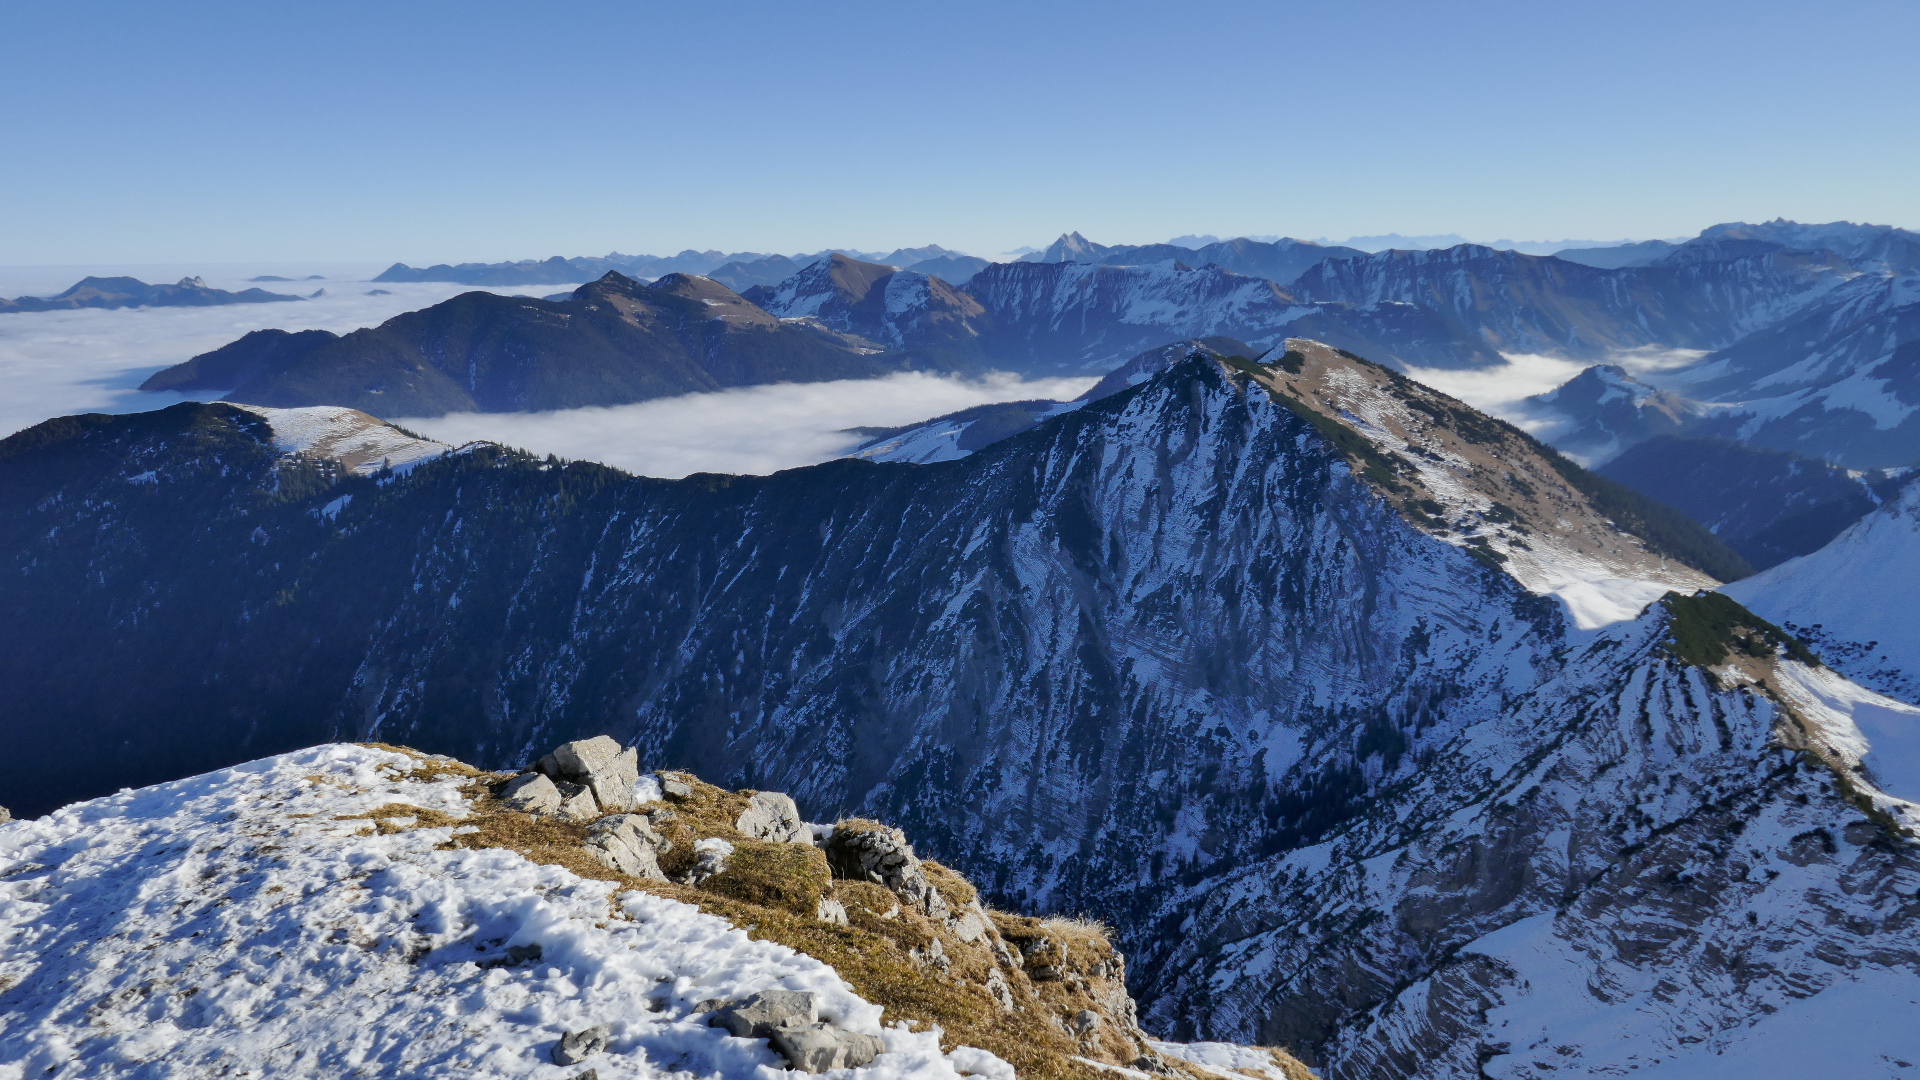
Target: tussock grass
[{"x": 772, "y": 892}]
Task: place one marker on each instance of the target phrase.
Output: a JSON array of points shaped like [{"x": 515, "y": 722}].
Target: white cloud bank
[
  {"x": 755, "y": 429},
  {"x": 56, "y": 363}
]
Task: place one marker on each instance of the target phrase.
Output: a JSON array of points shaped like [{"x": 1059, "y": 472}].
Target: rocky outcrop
[
  {"x": 599, "y": 765},
  {"x": 789, "y": 1021},
  {"x": 854, "y": 892}
]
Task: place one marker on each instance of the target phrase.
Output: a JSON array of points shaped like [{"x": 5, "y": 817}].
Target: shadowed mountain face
[
  {"x": 1766, "y": 504},
  {"x": 1540, "y": 304},
  {"x": 120, "y": 292},
  {"x": 1267, "y": 664},
  {"x": 613, "y": 341}
]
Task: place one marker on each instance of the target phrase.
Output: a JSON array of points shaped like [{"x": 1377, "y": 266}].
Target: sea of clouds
[
  {"x": 57, "y": 363},
  {"x": 754, "y": 429}
]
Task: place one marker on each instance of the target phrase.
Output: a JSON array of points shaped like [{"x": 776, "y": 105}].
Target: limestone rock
[
  {"x": 600, "y": 765},
  {"x": 576, "y": 802},
  {"x": 676, "y": 789},
  {"x": 627, "y": 843},
  {"x": 831, "y": 910},
  {"x": 862, "y": 851},
  {"x": 581, "y": 757},
  {"x": 758, "y": 1016},
  {"x": 933, "y": 955},
  {"x": 1085, "y": 1022},
  {"x": 969, "y": 924},
  {"x": 577, "y": 1046},
  {"x": 532, "y": 793},
  {"x": 820, "y": 1047},
  {"x": 997, "y": 987},
  {"x": 6, "y": 815},
  {"x": 772, "y": 816}
]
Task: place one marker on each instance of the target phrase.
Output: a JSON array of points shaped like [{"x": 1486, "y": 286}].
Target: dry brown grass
[{"x": 772, "y": 891}]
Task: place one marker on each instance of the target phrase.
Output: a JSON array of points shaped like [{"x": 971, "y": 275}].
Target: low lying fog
[
  {"x": 756, "y": 429},
  {"x": 56, "y": 363}
]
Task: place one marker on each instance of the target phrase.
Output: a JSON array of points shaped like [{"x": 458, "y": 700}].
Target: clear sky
[{"x": 425, "y": 131}]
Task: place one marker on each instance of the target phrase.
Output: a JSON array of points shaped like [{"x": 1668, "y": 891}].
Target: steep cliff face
[
  {"x": 1632, "y": 866},
  {"x": 1304, "y": 676}
]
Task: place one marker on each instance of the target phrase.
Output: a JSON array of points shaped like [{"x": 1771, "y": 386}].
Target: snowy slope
[
  {"x": 252, "y": 922},
  {"x": 361, "y": 443},
  {"x": 1857, "y": 599}
]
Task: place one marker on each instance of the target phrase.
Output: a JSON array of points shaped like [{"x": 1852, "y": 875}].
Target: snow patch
[{"x": 252, "y": 922}]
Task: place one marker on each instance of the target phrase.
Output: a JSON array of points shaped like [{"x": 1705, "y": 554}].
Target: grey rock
[
  {"x": 590, "y": 1074},
  {"x": 577, "y": 1046},
  {"x": 532, "y": 793},
  {"x": 758, "y": 1016},
  {"x": 884, "y": 857},
  {"x": 600, "y": 765},
  {"x": 772, "y": 816},
  {"x": 579, "y": 758},
  {"x": 710, "y": 1005},
  {"x": 820, "y": 1047},
  {"x": 997, "y": 987},
  {"x": 627, "y": 843},
  {"x": 6, "y": 815},
  {"x": 613, "y": 786},
  {"x": 676, "y": 789},
  {"x": 933, "y": 955},
  {"x": 576, "y": 802},
  {"x": 831, "y": 910},
  {"x": 969, "y": 924},
  {"x": 1085, "y": 1022}
]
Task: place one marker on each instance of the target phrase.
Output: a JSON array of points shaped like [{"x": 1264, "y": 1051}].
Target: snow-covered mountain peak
[
  {"x": 362, "y": 444},
  {"x": 1477, "y": 483}
]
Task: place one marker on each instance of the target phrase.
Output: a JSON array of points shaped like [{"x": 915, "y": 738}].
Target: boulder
[
  {"x": 532, "y": 793},
  {"x": 577, "y": 1046},
  {"x": 831, "y": 910},
  {"x": 6, "y": 815},
  {"x": 600, "y": 765},
  {"x": 676, "y": 789},
  {"x": 627, "y": 843},
  {"x": 576, "y": 802},
  {"x": 821, "y": 1047},
  {"x": 581, "y": 757},
  {"x": 863, "y": 851},
  {"x": 772, "y": 816},
  {"x": 758, "y": 1016}
]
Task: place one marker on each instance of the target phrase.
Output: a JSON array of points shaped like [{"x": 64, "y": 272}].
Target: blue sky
[{"x": 424, "y": 131}]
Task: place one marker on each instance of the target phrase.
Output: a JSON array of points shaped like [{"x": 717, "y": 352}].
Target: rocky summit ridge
[{"x": 369, "y": 910}]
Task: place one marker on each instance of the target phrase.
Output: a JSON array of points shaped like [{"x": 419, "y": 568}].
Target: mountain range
[
  {"x": 738, "y": 270},
  {"x": 122, "y": 292},
  {"x": 1374, "y": 727},
  {"x": 613, "y": 340}
]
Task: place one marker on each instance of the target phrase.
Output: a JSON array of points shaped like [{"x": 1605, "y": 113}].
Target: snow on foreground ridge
[{"x": 247, "y": 923}]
